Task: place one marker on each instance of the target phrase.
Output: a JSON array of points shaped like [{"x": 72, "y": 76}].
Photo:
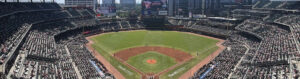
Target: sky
[{"x": 117, "y": 1}]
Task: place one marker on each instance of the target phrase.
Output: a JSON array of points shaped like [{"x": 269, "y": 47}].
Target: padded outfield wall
[{"x": 199, "y": 47}]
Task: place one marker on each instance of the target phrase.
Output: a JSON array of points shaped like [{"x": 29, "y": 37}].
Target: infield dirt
[
  {"x": 151, "y": 61},
  {"x": 178, "y": 55}
]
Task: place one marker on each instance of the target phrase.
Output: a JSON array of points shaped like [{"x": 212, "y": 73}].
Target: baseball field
[{"x": 163, "y": 54}]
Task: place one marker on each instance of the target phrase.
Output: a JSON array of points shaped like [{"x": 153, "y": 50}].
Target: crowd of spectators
[
  {"x": 15, "y": 27},
  {"x": 44, "y": 69},
  {"x": 40, "y": 46},
  {"x": 275, "y": 48},
  {"x": 66, "y": 64},
  {"x": 41, "y": 57},
  {"x": 11, "y": 43},
  {"x": 223, "y": 63},
  {"x": 210, "y": 29},
  {"x": 173, "y": 21},
  {"x": 207, "y": 26},
  {"x": 55, "y": 49},
  {"x": 292, "y": 21},
  {"x": 124, "y": 24},
  {"x": 186, "y": 23},
  {"x": 245, "y": 38},
  {"x": 270, "y": 49},
  {"x": 87, "y": 22},
  {"x": 82, "y": 58},
  {"x": 42, "y": 39},
  {"x": 220, "y": 24},
  {"x": 7, "y": 8},
  {"x": 25, "y": 68},
  {"x": 10, "y": 24},
  {"x": 272, "y": 54}
]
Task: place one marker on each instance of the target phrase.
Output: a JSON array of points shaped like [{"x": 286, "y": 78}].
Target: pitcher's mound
[{"x": 151, "y": 61}]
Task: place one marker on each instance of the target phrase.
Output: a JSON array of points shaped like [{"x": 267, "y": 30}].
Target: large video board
[
  {"x": 107, "y": 8},
  {"x": 154, "y": 7}
]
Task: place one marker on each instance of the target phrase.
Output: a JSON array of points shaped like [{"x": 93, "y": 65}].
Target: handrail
[
  {"x": 11, "y": 53},
  {"x": 15, "y": 12}
]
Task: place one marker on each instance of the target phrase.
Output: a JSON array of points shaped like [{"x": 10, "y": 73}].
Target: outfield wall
[
  {"x": 189, "y": 66},
  {"x": 219, "y": 36}
]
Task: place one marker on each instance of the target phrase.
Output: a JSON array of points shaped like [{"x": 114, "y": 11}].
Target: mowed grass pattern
[
  {"x": 109, "y": 43},
  {"x": 116, "y": 41},
  {"x": 140, "y": 62}
]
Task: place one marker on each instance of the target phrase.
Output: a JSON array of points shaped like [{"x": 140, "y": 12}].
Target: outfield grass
[
  {"x": 116, "y": 41},
  {"x": 180, "y": 70},
  {"x": 110, "y": 43},
  {"x": 140, "y": 62}
]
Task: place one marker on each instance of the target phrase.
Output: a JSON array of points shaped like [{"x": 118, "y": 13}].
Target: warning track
[{"x": 178, "y": 55}]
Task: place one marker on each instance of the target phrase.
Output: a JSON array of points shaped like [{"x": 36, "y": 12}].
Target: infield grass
[
  {"x": 162, "y": 62},
  {"x": 110, "y": 43},
  {"x": 180, "y": 70},
  {"x": 123, "y": 69}
]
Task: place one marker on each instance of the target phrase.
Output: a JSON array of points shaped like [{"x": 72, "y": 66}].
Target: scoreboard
[
  {"x": 154, "y": 7},
  {"x": 154, "y": 12}
]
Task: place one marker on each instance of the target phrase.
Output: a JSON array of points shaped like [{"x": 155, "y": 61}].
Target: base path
[
  {"x": 209, "y": 58},
  {"x": 100, "y": 58},
  {"x": 178, "y": 55}
]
